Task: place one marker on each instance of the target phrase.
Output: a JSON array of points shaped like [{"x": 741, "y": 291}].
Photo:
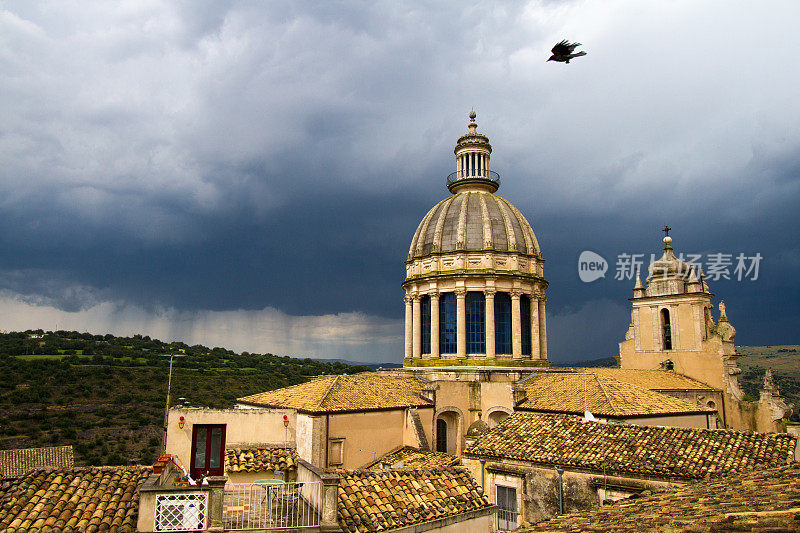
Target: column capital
[
  {"x": 408, "y": 298},
  {"x": 434, "y": 294},
  {"x": 460, "y": 293},
  {"x": 489, "y": 292},
  {"x": 515, "y": 294},
  {"x": 416, "y": 297}
]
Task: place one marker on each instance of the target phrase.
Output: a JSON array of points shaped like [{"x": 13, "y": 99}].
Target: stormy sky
[{"x": 250, "y": 174}]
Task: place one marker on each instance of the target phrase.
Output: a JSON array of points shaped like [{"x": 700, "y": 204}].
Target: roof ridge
[
  {"x": 330, "y": 388},
  {"x": 606, "y": 394}
]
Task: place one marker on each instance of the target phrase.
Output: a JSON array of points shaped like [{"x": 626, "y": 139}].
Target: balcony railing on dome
[{"x": 470, "y": 174}]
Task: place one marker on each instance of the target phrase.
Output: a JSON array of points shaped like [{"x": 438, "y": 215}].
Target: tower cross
[{"x": 666, "y": 231}]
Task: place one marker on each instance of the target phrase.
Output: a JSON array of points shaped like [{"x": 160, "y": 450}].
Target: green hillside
[{"x": 105, "y": 395}]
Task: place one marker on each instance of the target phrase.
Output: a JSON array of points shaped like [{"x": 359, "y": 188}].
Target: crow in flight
[{"x": 563, "y": 51}]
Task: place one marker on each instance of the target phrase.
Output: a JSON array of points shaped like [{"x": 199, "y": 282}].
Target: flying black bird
[{"x": 564, "y": 51}]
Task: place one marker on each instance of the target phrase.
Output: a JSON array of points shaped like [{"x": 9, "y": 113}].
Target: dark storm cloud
[{"x": 211, "y": 158}]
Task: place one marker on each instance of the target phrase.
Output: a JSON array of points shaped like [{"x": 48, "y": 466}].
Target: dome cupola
[{"x": 474, "y": 280}]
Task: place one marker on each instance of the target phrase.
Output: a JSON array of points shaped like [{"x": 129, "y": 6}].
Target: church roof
[
  {"x": 473, "y": 220},
  {"x": 760, "y": 500},
  {"x": 391, "y": 499},
  {"x": 667, "y": 452},
  {"x": 410, "y": 457},
  {"x": 652, "y": 379},
  {"x": 577, "y": 392},
  {"x": 369, "y": 391},
  {"x": 73, "y": 499}
]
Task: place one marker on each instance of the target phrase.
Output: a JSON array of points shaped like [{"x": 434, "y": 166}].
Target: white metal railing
[
  {"x": 271, "y": 506},
  {"x": 182, "y": 511}
]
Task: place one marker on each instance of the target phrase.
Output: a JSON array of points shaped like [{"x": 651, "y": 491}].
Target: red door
[{"x": 208, "y": 449}]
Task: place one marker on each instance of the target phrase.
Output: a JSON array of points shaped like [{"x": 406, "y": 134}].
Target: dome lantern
[{"x": 472, "y": 162}]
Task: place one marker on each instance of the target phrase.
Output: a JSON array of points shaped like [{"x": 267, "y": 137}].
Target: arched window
[
  {"x": 525, "y": 319},
  {"x": 447, "y": 323},
  {"x": 426, "y": 323},
  {"x": 441, "y": 435},
  {"x": 502, "y": 323},
  {"x": 666, "y": 330},
  {"x": 476, "y": 322}
]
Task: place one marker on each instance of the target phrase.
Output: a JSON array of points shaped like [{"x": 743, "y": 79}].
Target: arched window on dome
[
  {"x": 425, "y": 304},
  {"x": 476, "y": 322},
  {"x": 525, "y": 323},
  {"x": 666, "y": 330},
  {"x": 448, "y": 326},
  {"x": 502, "y": 323}
]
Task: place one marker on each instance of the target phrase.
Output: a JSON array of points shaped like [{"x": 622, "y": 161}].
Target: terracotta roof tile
[
  {"x": 67, "y": 499},
  {"x": 14, "y": 463},
  {"x": 652, "y": 379},
  {"x": 389, "y": 499},
  {"x": 761, "y": 500},
  {"x": 357, "y": 392},
  {"x": 573, "y": 392},
  {"x": 410, "y": 457},
  {"x": 260, "y": 459},
  {"x": 654, "y": 451}
]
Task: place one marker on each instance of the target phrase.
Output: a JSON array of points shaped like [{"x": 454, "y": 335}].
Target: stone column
[
  {"x": 535, "y": 350},
  {"x": 408, "y": 344},
  {"x": 216, "y": 496},
  {"x": 461, "y": 323},
  {"x": 330, "y": 498},
  {"x": 434, "y": 325},
  {"x": 417, "y": 329},
  {"x": 490, "y": 328},
  {"x": 516, "y": 326},
  {"x": 542, "y": 329}
]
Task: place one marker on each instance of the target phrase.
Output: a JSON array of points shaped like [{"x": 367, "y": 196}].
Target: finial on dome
[
  {"x": 473, "y": 126},
  {"x": 667, "y": 238}
]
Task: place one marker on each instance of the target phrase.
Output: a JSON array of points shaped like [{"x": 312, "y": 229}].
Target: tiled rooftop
[
  {"x": 573, "y": 392},
  {"x": 620, "y": 448},
  {"x": 652, "y": 379},
  {"x": 357, "y": 392},
  {"x": 388, "y": 499},
  {"x": 72, "y": 499},
  {"x": 14, "y": 463},
  {"x": 410, "y": 457},
  {"x": 260, "y": 459},
  {"x": 761, "y": 500}
]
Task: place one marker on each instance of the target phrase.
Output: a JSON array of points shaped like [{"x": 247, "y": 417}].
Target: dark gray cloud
[{"x": 239, "y": 156}]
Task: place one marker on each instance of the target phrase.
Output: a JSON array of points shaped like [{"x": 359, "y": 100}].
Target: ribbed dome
[{"x": 473, "y": 220}]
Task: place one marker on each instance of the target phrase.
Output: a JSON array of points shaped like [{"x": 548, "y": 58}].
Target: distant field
[{"x": 778, "y": 358}]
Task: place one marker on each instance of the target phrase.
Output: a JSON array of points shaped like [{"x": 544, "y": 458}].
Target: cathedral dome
[{"x": 473, "y": 220}]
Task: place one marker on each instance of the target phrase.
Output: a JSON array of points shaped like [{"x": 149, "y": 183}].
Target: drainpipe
[
  {"x": 483, "y": 475},
  {"x": 560, "y": 490}
]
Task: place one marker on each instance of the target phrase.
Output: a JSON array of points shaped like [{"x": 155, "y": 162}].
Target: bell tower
[{"x": 672, "y": 328}]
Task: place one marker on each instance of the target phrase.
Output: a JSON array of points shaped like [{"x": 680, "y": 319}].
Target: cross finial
[{"x": 666, "y": 231}]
